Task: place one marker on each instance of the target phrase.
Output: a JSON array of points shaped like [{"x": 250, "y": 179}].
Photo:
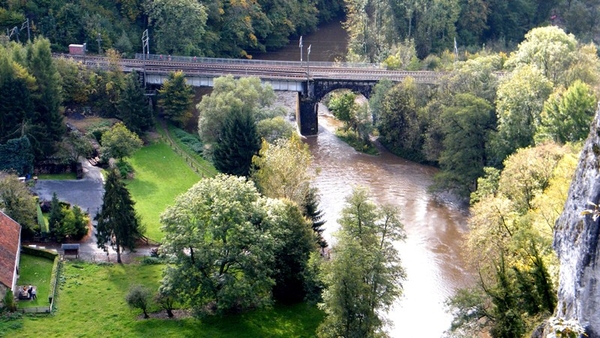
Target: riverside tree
[
  {"x": 118, "y": 224},
  {"x": 363, "y": 278},
  {"x": 176, "y": 98},
  {"x": 218, "y": 232}
]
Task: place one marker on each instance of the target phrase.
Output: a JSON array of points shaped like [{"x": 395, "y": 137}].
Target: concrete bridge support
[{"x": 307, "y": 115}]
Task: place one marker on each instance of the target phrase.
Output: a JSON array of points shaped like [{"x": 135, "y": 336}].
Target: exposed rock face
[{"x": 576, "y": 241}]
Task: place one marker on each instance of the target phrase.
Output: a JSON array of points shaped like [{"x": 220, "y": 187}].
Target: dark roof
[
  {"x": 70, "y": 246},
  {"x": 9, "y": 248}
]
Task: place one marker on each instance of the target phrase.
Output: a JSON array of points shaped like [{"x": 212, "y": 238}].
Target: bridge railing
[{"x": 193, "y": 59}]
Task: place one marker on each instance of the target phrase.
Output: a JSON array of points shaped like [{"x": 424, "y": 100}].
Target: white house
[{"x": 10, "y": 249}]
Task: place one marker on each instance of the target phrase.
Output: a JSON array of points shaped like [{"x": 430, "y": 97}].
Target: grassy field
[
  {"x": 35, "y": 271},
  {"x": 160, "y": 176},
  {"x": 91, "y": 303}
]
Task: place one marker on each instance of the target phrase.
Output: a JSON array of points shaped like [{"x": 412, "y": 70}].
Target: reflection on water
[{"x": 431, "y": 252}]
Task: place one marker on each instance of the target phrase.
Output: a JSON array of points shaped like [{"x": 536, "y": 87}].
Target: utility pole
[
  {"x": 99, "y": 39},
  {"x": 308, "y": 63},
  {"x": 300, "y": 45},
  {"x": 145, "y": 45}
]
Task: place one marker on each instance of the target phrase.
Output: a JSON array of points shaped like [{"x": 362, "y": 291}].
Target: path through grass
[
  {"x": 91, "y": 303},
  {"x": 160, "y": 176}
]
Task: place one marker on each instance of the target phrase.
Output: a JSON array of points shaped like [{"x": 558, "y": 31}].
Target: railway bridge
[{"x": 311, "y": 80}]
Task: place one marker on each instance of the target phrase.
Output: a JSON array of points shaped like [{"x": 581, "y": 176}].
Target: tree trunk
[{"x": 119, "y": 254}]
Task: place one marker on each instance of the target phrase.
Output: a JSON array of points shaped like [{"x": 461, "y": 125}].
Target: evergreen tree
[
  {"x": 133, "y": 108},
  {"x": 118, "y": 223},
  {"x": 17, "y": 155},
  {"x": 56, "y": 215},
  {"x": 48, "y": 126},
  {"x": 315, "y": 215},
  {"x": 176, "y": 98},
  {"x": 238, "y": 143}
]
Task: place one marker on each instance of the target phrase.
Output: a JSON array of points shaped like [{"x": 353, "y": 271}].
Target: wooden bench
[{"x": 70, "y": 250}]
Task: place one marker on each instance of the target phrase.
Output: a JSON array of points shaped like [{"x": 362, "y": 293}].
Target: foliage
[
  {"x": 118, "y": 142},
  {"x": 139, "y": 297},
  {"x": 79, "y": 83},
  {"x": 512, "y": 222},
  {"x": 176, "y": 98},
  {"x": 343, "y": 107},
  {"x": 468, "y": 122},
  {"x": 229, "y": 95},
  {"x": 117, "y": 221},
  {"x": 17, "y": 155},
  {"x": 218, "y": 232},
  {"x": 398, "y": 124},
  {"x": 567, "y": 114},
  {"x": 133, "y": 107},
  {"x": 311, "y": 210},
  {"x": 75, "y": 145},
  {"x": 178, "y": 25},
  {"x": 65, "y": 221},
  {"x": 363, "y": 278},
  {"x": 17, "y": 202},
  {"x": 238, "y": 143},
  {"x": 282, "y": 169},
  {"x": 274, "y": 129},
  {"x": 377, "y": 98}
]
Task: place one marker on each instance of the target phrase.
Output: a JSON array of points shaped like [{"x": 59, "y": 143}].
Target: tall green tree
[
  {"x": 176, "y": 98},
  {"x": 217, "y": 232},
  {"x": 178, "y": 25},
  {"x": 238, "y": 143},
  {"x": 119, "y": 142},
  {"x": 363, "y": 278},
  {"x": 134, "y": 107},
  {"x": 17, "y": 155},
  {"x": 118, "y": 225},
  {"x": 48, "y": 122},
  {"x": 468, "y": 122},
  {"x": 17, "y": 201},
  {"x": 568, "y": 113},
  {"x": 231, "y": 94},
  {"x": 313, "y": 212}
]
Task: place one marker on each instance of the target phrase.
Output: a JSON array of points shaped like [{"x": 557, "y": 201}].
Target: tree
[
  {"x": 295, "y": 241},
  {"x": 218, "y": 232},
  {"x": 179, "y": 25},
  {"x": 274, "y": 129},
  {"x": 119, "y": 142},
  {"x": 75, "y": 145},
  {"x": 237, "y": 145},
  {"x": 176, "y": 98},
  {"x": 17, "y": 155},
  {"x": 567, "y": 114},
  {"x": 48, "y": 121},
  {"x": 282, "y": 169},
  {"x": 230, "y": 95},
  {"x": 56, "y": 216},
  {"x": 17, "y": 201},
  {"x": 117, "y": 222},
  {"x": 315, "y": 215},
  {"x": 519, "y": 104},
  {"x": 377, "y": 98},
  {"x": 134, "y": 107},
  {"x": 398, "y": 124},
  {"x": 344, "y": 108},
  {"x": 466, "y": 128},
  {"x": 138, "y": 297},
  {"x": 363, "y": 278}
]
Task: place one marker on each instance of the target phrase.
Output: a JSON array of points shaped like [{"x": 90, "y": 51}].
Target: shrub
[
  {"x": 138, "y": 297},
  {"x": 9, "y": 301}
]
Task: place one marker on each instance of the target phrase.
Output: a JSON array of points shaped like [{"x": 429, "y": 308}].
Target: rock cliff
[{"x": 576, "y": 241}]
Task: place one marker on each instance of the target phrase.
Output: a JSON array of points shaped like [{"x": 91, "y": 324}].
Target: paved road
[{"x": 87, "y": 194}]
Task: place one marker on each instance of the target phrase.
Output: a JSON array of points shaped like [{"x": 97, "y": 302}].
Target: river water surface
[{"x": 431, "y": 254}]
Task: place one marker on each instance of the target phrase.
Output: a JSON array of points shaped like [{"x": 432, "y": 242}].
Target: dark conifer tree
[
  {"x": 238, "y": 143},
  {"x": 315, "y": 215},
  {"x": 118, "y": 223},
  {"x": 133, "y": 108}
]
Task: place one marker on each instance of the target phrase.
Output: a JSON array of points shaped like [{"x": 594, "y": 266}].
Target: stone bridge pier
[{"x": 313, "y": 92}]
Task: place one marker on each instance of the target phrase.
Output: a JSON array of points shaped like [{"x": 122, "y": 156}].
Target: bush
[
  {"x": 124, "y": 168},
  {"x": 9, "y": 301},
  {"x": 190, "y": 140},
  {"x": 39, "y": 252},
  {"x": 138, "y": 297}
]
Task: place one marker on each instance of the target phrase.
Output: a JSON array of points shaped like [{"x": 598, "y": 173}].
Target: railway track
[{"x": 262, "y": 69}]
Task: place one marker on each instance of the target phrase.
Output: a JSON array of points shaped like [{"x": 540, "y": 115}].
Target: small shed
[
  {"x": 76, "y": 49},
  {"x": 70, "y": 250}
]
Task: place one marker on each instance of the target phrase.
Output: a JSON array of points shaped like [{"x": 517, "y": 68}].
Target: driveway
[{"x": 86, "y": 193}]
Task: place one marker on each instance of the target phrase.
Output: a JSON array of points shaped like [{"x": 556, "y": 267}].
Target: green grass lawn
[
  {"x": 35, "y": 271},
  {"x": 160, "y": 176},
  {"x": 65, "y": 176},
  {"x": 91, "y": 303}
]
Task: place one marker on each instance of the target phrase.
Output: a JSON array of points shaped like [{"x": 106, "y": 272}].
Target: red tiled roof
[{"x": 9, "y": 246}]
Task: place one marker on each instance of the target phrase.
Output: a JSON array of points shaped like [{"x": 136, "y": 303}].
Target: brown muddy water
[{"x": 431, "y": 254}]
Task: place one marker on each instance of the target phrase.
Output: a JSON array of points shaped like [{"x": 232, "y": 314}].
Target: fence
[
  {"x": 53, "y": 279},
  {"x": 188, "y": 159}
]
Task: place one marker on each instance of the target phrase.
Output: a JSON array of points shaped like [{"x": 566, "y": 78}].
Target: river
[{"x": 431, "y": 254}]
